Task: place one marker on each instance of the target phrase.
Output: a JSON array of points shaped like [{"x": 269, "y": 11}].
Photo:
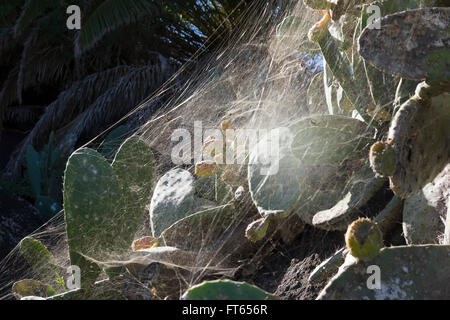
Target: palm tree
[{"x": 83, "y": 79}]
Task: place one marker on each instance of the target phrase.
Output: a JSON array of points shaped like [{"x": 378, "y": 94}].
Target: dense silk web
[{"x": 260, "y": 79}]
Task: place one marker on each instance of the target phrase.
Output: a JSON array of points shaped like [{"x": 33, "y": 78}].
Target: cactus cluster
[
  {"x": 387, "y": 92},
  {"x": 44, "y": 170}
]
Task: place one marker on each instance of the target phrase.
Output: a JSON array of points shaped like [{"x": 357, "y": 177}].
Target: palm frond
[
  {"x": 113, "y": 90},
  {"x": 109, "y": 15},
  {"x": 30, "y": 11},
  {"x": 114, "y": 104}
]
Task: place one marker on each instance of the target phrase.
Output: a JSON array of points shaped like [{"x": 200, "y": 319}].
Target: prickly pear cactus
[
  {"x": 133, "y": 166},
  {"x": 364, "y": 239},
  {"x": 29, "y": 287},
  {"x": 418, "y": 143},
  {"x": 362, "y": 187},
  {"x": 97, "y": 202},
  {"x": 424, "y": 212},
  {"x": 407, "y": 272},
  {"x": 396, "y": 49},
  {"x": 226, "y": 290},
  {"x": 172, "y": 199},
  {"x": 305, "y": 163},
  {"x": 41, "y": 260}
]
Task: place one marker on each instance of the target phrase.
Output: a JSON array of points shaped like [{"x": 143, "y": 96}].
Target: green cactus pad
[
  {"x": 133, "y": 167},
  {"x": 113, "y": 141},
  {"x": 172, "y": 199},
  {"x": 91, "y": 199},
  {"x": 419, "y": 135},
  {"x": 273, "y": 175},
  {"x": 28, "y": 287},
  {"x": 424, "y": 212},
  {"x": 322, "y": 145},
  {"x": 406, "y": 273},
  {"x": 40, "y": 259},
  {"x": 362, "y": 187},
  {"x": 226, "y": 290},
  {"x": 201, "y": 227},
  {"x": 397, "y": 49}
]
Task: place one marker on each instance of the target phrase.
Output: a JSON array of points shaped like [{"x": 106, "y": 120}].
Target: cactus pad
[
  {"x": 172, "y": 199},
  {"x": 424, "y": 212},
  {"x": 226, "y": 290},
  {"x": 28, "y": 287},
  {"x": 419, "y": 140},
  {"x": 41, "y": 260},
  {"x": 361, "y": 187},
  {"x": 411, "y": 44},
  {"x": 406, "y": 273}
]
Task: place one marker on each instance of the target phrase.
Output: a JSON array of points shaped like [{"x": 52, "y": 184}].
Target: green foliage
[
  {"x": 104, "y": 203},
  {"x": 41, "y": 169},
  {"x": 226, "y": 290},
  {"x": 41, "y": 260}
]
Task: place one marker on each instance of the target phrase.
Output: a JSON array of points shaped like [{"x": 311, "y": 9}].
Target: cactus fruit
[
  {"x": 418, "y": 272},
  {"x": 318, "y": 31},
  {"x": 172, "y": 199},
  {"x": 226, "y": 290},
  {"x": 257, "y": 230},
  {"x": 364, "y": 239},
  {"x": 144, "y": 243},
  {"x": 418, "y": 143},
  {"x": 424, "y": 212},
  {"x": 205, "y": 168},
  {"x": 28, "y": 287},
  {"x": 396, "y": 47},
  {"x": 382, "y": 159}
]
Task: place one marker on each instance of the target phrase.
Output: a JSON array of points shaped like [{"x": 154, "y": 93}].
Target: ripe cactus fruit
[
  {"x": 318, "y": 31},
  {"x": 205, "y": 168},
  {"x": 364, "y": 239},
  {"x": 172, "y": 199},
  {"x": 418, "y": 272},
  {"x": 382, "y": 159},
  {"x": 226, "y": 290},
  {"x": 144, "y": 243}
]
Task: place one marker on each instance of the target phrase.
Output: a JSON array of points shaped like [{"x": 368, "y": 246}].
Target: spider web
[{"x": 259, "y": 80}]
